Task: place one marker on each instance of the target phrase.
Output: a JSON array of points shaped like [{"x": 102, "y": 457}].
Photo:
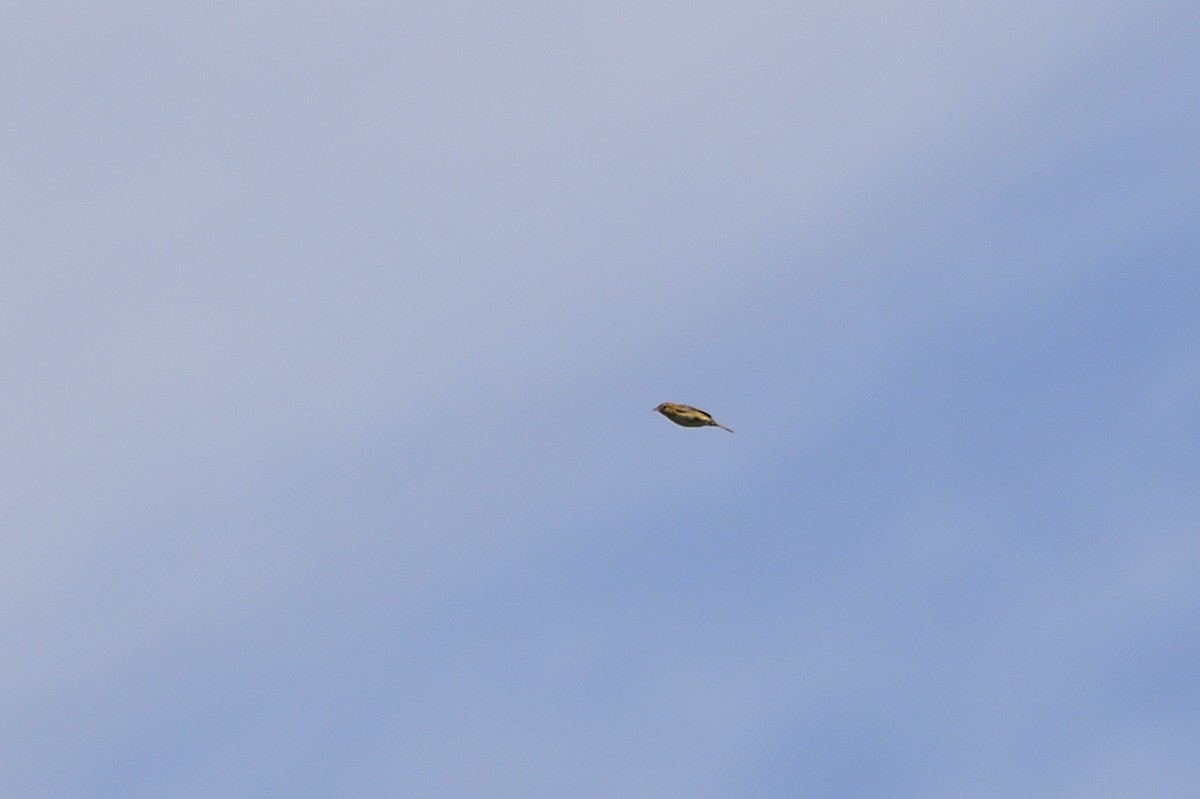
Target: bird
[{"x": 688, "y": 416}]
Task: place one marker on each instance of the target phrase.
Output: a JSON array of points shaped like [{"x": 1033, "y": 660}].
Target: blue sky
[{"x": 331, "y": 338}]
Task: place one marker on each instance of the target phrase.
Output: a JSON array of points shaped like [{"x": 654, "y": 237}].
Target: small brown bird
[{"x": 688, "y": 416}]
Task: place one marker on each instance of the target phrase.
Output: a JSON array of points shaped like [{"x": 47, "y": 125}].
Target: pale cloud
[{"x": 332, "y": 337}]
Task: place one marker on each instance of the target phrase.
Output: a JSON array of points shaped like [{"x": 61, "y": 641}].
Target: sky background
[{"x": 330, "y": 339}]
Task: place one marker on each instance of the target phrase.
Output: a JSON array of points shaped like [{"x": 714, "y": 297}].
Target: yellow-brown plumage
[{"x": 688, "y": 416}]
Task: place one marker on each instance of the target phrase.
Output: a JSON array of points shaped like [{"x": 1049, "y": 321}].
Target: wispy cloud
[{"x": 332, "y": 339}]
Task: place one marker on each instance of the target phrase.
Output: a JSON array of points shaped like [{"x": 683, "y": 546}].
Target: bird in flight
[{"x": 688, "y": 416}]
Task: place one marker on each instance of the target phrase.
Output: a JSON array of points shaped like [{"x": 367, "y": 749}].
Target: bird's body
[{"x": 688, "y": 416}]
